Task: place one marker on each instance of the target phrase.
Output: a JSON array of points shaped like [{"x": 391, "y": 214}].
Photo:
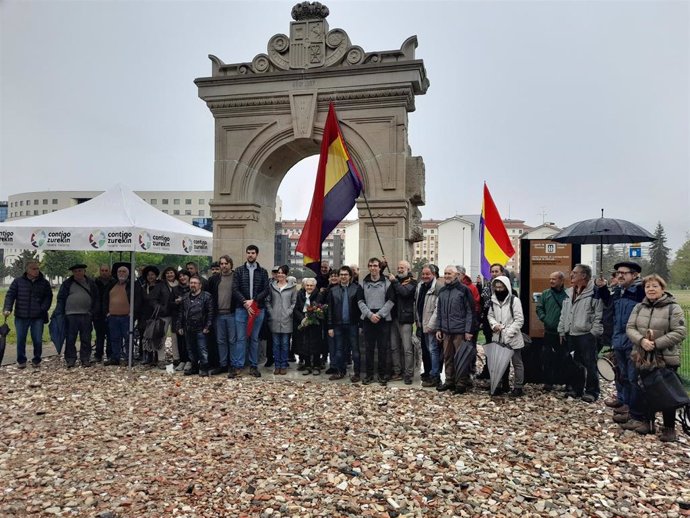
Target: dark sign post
[{"x": 540, "y": 258}]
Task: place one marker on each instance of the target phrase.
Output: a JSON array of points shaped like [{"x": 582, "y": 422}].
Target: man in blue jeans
[
  {"x": 194, "y": 321},
  {"x": 343, "y": 324},
  {"x": 116, "y": 305},
  {"x": 31, "y": 297},
  {"x": 78, "y": 300},
  {"x": 220, "y": 288},
  {"x": 250, "y": 289},
  {"x": 627, "y": 293}
]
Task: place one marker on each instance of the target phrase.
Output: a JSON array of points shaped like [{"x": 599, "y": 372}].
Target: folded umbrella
[
  {"x": 463, "y": 361},
  {"x": 56, "y": 329},
  {"x": 498, "y": 358},
  {"x": 4, "y": 331}
]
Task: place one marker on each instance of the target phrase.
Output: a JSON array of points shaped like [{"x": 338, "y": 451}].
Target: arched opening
[{"x": 292, "y": 209}]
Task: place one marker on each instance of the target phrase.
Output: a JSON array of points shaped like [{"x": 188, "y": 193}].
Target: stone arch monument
[{"x": 270, "y": 113}]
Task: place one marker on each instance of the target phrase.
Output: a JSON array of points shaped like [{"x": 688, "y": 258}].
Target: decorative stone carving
[
  {"x": 309, "y": 11},
  {"x": 303, "y": 109},
  {"x": 269, "y": 114},
  {"x": 311, "y": 45}
]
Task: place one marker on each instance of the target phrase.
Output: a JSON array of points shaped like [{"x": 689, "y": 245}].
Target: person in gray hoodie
[
  {"x": 376, "y": 300},
  {"x": 579, "y": 326},
  {"x": 280, "y": 304}
]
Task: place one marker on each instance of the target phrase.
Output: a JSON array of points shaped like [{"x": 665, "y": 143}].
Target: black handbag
[
  {"x": 662, "y": 389},
  {"x": 153, "y": 332}
]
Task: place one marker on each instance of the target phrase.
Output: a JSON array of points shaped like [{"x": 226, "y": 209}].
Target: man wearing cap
[
  {"x": 78, "y": 300},
  {"x": 627, "y": 293}
]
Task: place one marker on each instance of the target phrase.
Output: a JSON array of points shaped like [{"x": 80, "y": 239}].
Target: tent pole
[{"x": 132, "y": 280}]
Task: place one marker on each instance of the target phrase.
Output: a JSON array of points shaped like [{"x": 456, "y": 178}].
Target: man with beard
[
  {"x": 250, "y": 289},
  {"x": 627, "y": 293},
  {"x": 402, "y": 353},
  {"x": 425, "y": 305},
  {"x": 194, "y": 322},
  {"x": 220, "y": 288}
]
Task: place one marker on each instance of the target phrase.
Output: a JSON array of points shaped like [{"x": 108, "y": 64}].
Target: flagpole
[{"x": 376, "y": 231}]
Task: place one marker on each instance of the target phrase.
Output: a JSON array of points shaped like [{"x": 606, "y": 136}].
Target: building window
[
  {"x": 35, "y": 213},
  {"x": 187, "y": 212},
  {"x": 154, "y": 201},
  {"x": 35, "y": 202},
  {"x": 176, "y": 212},
  {"x": 54, "y": 201},
  {"x": 44, "y": 211},
  {"x": 21, "y": 212},
  {"x": 45, "y": 202},
  {"x": 176, "y": 201},
  {"x": 165, "y": 201},
  {"x": 201, "y": 201},
  {"x": 21, "y": 203},
  {"x": 431, "y": 231},
  {"x": 201, "y": 212},
  {"x": 165, "y": 211},
  {"x": 188, "y": 201}
]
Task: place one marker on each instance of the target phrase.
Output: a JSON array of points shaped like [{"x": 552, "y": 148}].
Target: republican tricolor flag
[
  {"x": 495, "y": 243},
  {"x": 338, "y": 185}
]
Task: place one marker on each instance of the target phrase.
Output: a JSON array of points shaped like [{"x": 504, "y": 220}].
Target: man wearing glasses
[
  {"x": 627, "y": 293},
  {"x": 579, "y": 326}
]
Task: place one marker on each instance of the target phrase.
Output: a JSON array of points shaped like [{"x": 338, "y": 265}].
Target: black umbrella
[
  {"x": 463, "y": 361},
  {"x": 603, "y": 231},
  {"x": 4, "y": 331}
]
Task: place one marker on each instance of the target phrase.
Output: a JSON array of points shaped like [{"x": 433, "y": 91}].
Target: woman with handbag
[{"x": 657, "y": 329}]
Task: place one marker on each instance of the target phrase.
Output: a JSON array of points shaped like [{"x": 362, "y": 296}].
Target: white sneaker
[{"x": 180, "y": 366}]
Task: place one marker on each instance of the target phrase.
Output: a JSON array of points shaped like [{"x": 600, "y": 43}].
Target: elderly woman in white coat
[{"x": 506, "y": 319}]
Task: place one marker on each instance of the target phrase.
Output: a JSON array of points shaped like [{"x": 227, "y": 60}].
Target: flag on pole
[
  {"x": 338, "y": 185},
  {"x": 495, "y": 243}
]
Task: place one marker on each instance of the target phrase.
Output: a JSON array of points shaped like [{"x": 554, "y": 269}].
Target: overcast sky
[{"x": 564, "y": 108}]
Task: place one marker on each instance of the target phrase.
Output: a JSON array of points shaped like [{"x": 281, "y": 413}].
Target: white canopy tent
[{"x": 116, "y": 220}]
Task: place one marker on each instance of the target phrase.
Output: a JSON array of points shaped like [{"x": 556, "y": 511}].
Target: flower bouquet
[{"x": 314, "y": 314}]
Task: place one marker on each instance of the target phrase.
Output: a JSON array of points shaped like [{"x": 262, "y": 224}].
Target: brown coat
[{"x": 665, "y": 319}]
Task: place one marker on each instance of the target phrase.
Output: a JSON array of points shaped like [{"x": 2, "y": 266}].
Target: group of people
[
  {"x": 216, "y": 324},
  {"x": 646, "y": 331}
]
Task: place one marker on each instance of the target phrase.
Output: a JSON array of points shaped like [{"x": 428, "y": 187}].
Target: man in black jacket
[
  {"x": 343, "y": 324},
  {"x": 103, "y": 282},
  {"x": 453, "y": 321},
  {"x": 78, "y": 300},
  {"x": 194, "y": 322},
  {"x": 250, "y": 289},
  {"x": 402, "y": 353},
  {"x": 31, "y": 297}
]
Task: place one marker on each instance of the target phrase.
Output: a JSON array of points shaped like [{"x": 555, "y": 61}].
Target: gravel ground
[{"x": 109, "y": 442}]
